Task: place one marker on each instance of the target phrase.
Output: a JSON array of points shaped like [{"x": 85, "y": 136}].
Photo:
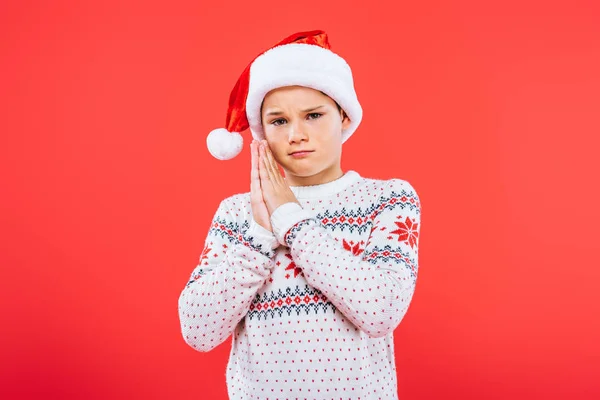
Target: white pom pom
[{"x": 224, "y": 145}]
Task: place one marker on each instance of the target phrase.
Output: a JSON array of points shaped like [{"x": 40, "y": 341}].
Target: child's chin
[{"x": 302, "y": 169}]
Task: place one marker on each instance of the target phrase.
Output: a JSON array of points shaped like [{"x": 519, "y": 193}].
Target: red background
[{"x": 107, "y": 188}]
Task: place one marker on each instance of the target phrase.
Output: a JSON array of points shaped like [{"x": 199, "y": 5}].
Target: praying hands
[{"x": 268, "y": 188}]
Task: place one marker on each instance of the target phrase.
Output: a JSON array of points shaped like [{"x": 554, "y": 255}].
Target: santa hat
[{"x": 302, "y": 59}]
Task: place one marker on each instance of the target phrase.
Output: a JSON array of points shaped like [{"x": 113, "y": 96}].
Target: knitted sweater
[{"x": 312, "y": 306}]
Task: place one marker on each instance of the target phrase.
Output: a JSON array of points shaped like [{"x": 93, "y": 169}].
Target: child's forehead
[{"x": 295, "y": 96}]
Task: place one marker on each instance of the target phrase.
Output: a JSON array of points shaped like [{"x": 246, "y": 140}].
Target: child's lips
[{"x": 302, "y": 153}]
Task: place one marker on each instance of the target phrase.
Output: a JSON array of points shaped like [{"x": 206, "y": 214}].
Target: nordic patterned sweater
[{"x": 312, "y": 306}]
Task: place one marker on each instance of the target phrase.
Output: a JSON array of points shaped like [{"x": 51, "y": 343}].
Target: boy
[{"x": 310, "y": 272}]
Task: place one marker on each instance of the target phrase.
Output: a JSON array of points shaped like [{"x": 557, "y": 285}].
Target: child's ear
[{"x": 345, "y": 120}]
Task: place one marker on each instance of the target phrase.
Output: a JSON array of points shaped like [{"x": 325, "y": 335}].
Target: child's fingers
[
  {"x": 267, "y": 161},
  {"x": 254, "y": 176},
  {"x": 262, "y": 168},
  {"x": 273, "y": 166}
]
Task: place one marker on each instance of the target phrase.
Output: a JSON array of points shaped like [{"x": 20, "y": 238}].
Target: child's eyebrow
[
  {"x": 313, "y": 108},
  {"x": 273, "y": 113}
]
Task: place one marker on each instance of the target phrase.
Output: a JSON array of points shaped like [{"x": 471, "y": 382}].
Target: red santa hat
[{"x": 301, "y": 59}]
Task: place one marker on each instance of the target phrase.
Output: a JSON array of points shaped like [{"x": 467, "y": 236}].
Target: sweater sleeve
[
  {"x": 234, "y": 264},
  {"x": 372, "y": 286}
]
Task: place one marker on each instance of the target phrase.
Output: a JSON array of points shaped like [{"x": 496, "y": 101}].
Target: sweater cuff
[
  {"x": 261, "y": 239},
  {"x": 285, "y": 216}
]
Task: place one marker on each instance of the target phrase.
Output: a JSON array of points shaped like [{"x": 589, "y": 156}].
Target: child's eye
[
  {"x": 314, "y": 115},
  {"x": 276, "y": 122}
]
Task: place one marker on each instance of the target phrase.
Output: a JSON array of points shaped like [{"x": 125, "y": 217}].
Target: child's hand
[
  {"x": 259, "y": 209},
  {"x": 275, "y": 189}
]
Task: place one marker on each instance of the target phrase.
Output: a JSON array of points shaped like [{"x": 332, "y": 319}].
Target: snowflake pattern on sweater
[{"x": 311, "y": 306}]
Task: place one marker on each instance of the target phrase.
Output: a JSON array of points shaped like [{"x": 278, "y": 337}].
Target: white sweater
[{"x": 312, "y": 307}]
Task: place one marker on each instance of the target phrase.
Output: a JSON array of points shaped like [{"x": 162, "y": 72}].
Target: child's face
[{"x": 300, "y": 118}]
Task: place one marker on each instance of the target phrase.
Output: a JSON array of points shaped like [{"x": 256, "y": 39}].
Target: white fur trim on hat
[
  {"x": 302, "y": 65},
  {"x": 224, "y": 145}
]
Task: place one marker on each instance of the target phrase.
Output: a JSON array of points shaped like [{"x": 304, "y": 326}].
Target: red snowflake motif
[
  {"x": 292, "y": 266},
  {"x": 354, "y": 248},
  {"x": 407, "y": 232},
  {"x": 204, "y": 255}
]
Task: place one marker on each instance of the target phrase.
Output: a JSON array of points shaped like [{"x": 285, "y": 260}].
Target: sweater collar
[{"x": 328, "y": 188}]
